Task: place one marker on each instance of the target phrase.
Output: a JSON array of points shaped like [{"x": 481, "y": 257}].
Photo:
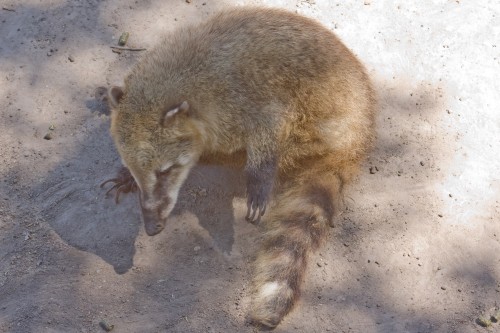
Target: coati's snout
[
  {"x": 155, "y": 211},
  {"x": 158, "y": 195},
  {"x": 152, "y": 223}
]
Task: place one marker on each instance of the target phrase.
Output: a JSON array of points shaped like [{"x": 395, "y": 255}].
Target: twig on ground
[
  {"x": 8, "y": 9},
  {"x": 127, "y": 48}
]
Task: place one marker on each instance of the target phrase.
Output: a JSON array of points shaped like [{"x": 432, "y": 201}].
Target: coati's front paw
[
  {"x": 124, "y": 182},
  {"x": 259, "y": 187},
  {"x": 258, "y": 196}
]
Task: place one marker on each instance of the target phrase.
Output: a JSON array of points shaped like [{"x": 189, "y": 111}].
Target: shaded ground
[{"x": 416, "y": 251}]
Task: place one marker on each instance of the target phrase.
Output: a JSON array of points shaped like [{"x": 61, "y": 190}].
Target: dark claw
[
  {"x": 117, "y": 185},
  {"x": 117, "y": 195},
  {"x": 124, "y": 183},
  {"x": 262, "y": 210},
  {"x": 256, "y": 203},
  {"x": 260, "y": 181},
  {"x": 252, "y": 208},
  {"x": 114, "y": 180}
]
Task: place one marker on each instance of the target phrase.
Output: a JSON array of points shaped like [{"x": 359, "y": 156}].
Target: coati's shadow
[
  {"x": 97, "y": 106},
  {"x": 79, "y": 211},
  {"x": 208, "y": 193}
]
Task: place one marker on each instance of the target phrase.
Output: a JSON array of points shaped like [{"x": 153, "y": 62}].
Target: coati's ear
[
  {"x": 111, "y": 96},
  {"x": 170, "y": 114},
  {"x": 115, "y": 94}
]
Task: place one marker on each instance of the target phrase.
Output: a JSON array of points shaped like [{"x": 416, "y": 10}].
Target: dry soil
[{"x": 418, "y": 249}]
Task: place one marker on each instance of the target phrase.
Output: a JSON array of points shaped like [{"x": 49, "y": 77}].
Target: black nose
[
  {"x": 153, "y": 228},
  {"x": 152, "y": 224}
]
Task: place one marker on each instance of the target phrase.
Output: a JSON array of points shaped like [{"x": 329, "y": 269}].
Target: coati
[{"x": 267, "y": 87}]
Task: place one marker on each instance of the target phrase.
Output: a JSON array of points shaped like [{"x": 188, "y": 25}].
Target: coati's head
[{"x": 158, "y": 146}]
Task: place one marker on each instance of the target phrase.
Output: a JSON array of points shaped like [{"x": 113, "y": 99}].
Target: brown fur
[{"x": 273, "y": 90}]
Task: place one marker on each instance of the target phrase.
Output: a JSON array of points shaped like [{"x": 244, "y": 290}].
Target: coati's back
[
  {"x": 241, "y": 60},
  {"x": 274, "y": 87}
]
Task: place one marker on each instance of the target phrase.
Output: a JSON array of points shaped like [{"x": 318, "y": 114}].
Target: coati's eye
[{"x": 166, "y": 172}]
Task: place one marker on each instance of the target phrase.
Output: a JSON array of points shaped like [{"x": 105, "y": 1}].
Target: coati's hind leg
[{"x": 297, "y": 224}]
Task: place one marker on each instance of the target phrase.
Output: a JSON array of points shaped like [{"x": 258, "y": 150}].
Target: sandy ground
[{"x": 418, "y": 249}]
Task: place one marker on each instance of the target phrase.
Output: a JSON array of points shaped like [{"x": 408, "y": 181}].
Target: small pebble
[
  {"x": 197, "y": 248},
  {"x": 422, "y": 163},
  {"x": 106, "y": 326},
  {"x": 71, "y": 58},
  {"x": 483, "y": 322},
  {"x": 122, "y": 41},
  {"x": 48, "y": 136},
  {"x": 319, "y": 264},
  {"x": 496, "y": 316},
  {"x": 443, "y": 287},
  {"x": 440, "y": 215}
]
